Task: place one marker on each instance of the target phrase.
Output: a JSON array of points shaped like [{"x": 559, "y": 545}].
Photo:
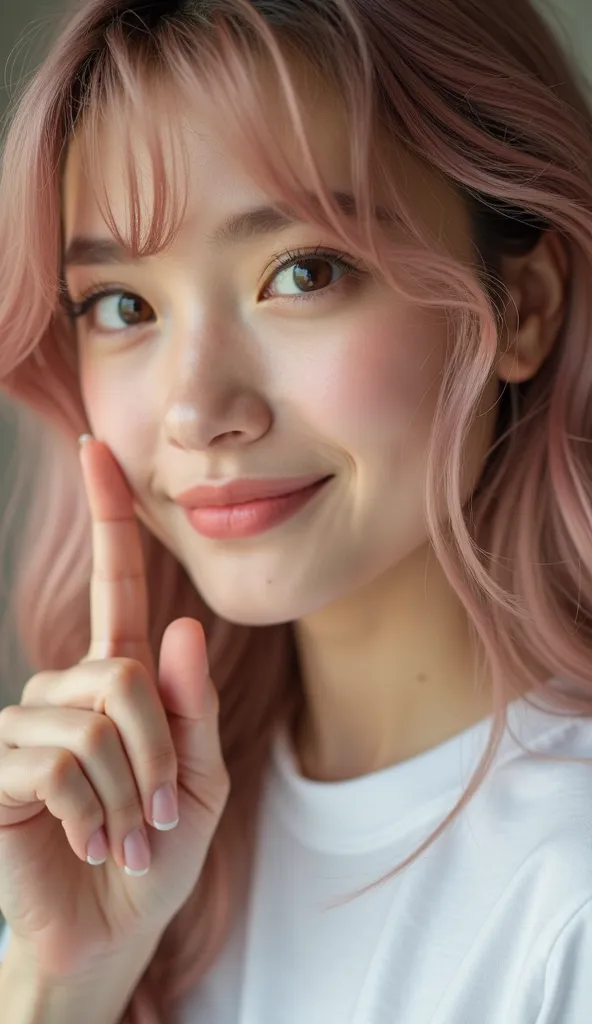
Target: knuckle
[
  {"x": 161, "y": 763},
  {"x": 220, "y": 781},
  {"x": 127, "y": 809},
  {"x": 89, "y": 812},
  {"x": 127, "y": 677},
  {"x": 37, "y": 684},
  {"x": 218, "y": 791},
  {"x": 63, "y": 769},
  {"x": 8, "y": 717},
  {"x": 96, "y": 735}
]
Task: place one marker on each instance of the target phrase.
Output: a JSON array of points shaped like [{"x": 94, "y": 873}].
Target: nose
[{"x": 213, "y": 403}]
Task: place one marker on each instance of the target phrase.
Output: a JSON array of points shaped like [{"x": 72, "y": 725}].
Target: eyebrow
[{"x": 241, "y": 227}]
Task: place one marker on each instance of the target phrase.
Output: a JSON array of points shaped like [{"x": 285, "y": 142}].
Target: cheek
[
  {"x": 380, "y": 375},
  {"x": 117, "y": 413}
]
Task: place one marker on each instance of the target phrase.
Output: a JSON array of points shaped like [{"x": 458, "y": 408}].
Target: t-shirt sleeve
[{"x": 567, "y": 996}]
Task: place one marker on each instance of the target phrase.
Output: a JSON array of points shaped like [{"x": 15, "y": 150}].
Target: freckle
[{"x": 422, "y": 678}]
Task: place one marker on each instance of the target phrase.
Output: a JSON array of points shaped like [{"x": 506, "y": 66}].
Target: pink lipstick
[{"x": 245, "y": 508}]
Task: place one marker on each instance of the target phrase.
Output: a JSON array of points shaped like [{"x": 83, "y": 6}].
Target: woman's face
[{"x": 220, "y": 361}]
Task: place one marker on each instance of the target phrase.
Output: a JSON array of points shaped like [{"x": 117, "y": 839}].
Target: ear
[{"x": 535, "y": 313}]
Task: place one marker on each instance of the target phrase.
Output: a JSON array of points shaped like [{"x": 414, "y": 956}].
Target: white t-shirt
[{"x": 492, "y": 925}]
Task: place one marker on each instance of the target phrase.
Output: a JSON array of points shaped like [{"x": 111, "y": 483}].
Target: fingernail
[
  {"x": 165, "y": 810},
  {"x": 84, "y": 438},
  {"x": 136, "y": 853},
  {"x": 98, "y": 848}
]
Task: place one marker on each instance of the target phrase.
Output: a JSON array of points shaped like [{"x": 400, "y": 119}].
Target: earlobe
[{"x": 535, "y": 311}]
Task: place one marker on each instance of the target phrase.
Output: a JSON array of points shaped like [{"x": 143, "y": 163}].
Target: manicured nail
[
  {"x": 84, "y": 438},
  {"x": 136, "y": 852},
  {"x": 165, "y": 810},
  {"x": 98, "y": 848}
]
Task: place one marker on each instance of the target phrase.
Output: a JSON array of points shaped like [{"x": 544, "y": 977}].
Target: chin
[
  {"x": 240, "y": 614},
  {"x": 260, "y": 606},
  {"x": 246, "y": 619}
]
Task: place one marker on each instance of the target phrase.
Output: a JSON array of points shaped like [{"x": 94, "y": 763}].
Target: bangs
[{"x": 146, "y": 90}]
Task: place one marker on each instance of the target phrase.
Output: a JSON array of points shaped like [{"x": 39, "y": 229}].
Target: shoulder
[
  {"x": 538, "y": 806},
  {"x": 549, "y": 783},
  {"x": 526, "y": 859}
]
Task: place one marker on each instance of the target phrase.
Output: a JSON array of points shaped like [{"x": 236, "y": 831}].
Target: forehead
[
  {"x": 219, "y": 181},
  {"x": 197, "y": 135}
]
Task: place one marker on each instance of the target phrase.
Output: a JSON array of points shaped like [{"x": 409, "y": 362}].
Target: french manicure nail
[
  {"x": 136, "y": 853},
  {"x": 165, "y": 810},
  {"x": 98, "y": 848}
]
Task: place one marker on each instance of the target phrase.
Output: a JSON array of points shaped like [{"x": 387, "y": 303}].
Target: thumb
[{"x": 190, "y": 700}]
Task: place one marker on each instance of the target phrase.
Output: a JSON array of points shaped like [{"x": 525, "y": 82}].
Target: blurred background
[{"x": 25, "y": 28}]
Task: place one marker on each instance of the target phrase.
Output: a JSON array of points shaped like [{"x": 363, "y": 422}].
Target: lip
[
  {"x": 237, "y": 492},
  {"x": 240, "y": 519}
]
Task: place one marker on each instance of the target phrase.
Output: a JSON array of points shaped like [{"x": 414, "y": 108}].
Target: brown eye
[
  {"x": 133, "y": 310},
  {"x": 307, "y": 274},
  {"x": 111, "y": 311},
  {"x": 312, "y": 274}
]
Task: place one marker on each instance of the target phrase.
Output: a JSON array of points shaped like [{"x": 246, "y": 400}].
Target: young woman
[{"x": 313, "y": 279}]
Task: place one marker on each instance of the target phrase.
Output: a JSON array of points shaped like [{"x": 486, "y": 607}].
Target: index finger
[{"x": 119, "y": 591}]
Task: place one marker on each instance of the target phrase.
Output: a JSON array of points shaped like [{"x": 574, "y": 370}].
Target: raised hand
[{"x": 98, "y": 762}]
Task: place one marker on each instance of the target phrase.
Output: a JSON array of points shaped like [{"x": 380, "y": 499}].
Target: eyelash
[{"x": 95, "y": 292}]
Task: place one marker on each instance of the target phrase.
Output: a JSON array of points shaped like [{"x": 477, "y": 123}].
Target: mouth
[
  {"x": 244, "y": 509},
  {"x": 238, "y": 492}
]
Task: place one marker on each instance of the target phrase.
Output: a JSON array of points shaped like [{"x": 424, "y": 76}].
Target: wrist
[{"x": 28, "y": 995}]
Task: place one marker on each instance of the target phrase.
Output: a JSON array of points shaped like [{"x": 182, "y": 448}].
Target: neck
[{"x": 387, "y": 673}]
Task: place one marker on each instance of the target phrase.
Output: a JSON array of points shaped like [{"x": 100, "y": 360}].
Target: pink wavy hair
[{"x": 443, "y": 76}]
